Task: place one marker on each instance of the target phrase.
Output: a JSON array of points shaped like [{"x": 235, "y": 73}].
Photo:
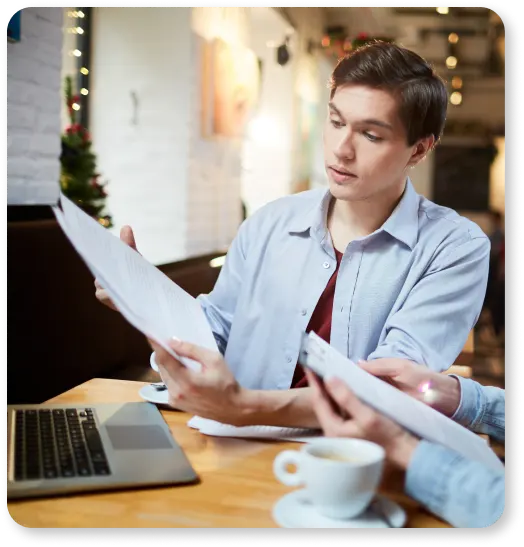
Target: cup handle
[{"x": 284, "y": 459}]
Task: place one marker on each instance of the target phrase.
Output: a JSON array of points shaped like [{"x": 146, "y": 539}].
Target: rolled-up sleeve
[
  {"x": 465, "y": 493},
  {"x": 433, "y": 324}
]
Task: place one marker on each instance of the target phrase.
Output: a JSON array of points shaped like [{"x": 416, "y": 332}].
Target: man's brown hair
[{"x": 422, "y": 94}]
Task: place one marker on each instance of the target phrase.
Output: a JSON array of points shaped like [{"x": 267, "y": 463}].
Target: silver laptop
[{"x": 60, "y": 449}]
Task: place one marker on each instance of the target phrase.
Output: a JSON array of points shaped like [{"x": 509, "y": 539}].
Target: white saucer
[
  {"x": 294, "y": 511},
  {"x": 149, "y": 393}
]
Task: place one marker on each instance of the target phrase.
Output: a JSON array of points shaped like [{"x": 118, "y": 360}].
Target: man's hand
[
  {"x": 440, "y": 391},
  {"x": 127, "y": 236},
  {"x": 211, "y": 393},
  {"x": 364, "y": 423}
]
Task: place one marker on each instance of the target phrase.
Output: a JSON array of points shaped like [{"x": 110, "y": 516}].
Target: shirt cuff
[
  {"x": 427, "y": 475},
  {"x": 470, "y": 402}
]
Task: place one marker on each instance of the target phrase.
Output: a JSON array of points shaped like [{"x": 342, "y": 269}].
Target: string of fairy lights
[
  {"x": 452, "y": 62},
  {"x": 77, "y": 25},
  {"x": 77, "y": 17}
]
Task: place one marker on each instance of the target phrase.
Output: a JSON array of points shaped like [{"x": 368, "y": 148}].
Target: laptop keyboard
[{"x": 58, "y": 443}]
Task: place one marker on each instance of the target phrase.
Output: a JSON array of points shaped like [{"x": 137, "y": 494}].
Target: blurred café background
[{"x": 183, "y": 121}]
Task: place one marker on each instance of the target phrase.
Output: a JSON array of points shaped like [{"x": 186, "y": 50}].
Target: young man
[{"x": 372, "y": 267}]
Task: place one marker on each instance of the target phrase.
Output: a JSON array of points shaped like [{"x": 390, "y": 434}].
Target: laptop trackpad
[{"x": 138, "y": 437}]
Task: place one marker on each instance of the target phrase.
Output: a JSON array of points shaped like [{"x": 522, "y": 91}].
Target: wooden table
[{"x": 237, "y": 487}]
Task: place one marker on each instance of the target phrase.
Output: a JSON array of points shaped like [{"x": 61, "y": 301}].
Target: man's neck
[{"x": 348, "y": 220}]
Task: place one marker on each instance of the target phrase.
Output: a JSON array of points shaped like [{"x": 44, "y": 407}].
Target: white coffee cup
[{"x": 340, "y": 476}]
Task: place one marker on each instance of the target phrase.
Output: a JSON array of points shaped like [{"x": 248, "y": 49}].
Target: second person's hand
[
  {"x": 438, "y": 390},
  {"x": 359, "y": 421}
]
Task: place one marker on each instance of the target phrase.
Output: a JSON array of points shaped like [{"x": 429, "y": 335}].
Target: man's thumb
[{"x": 127, "y": 236}]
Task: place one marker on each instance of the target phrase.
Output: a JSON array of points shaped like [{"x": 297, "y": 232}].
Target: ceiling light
[
  {"x": 456, "y": 82},
  {"x": 453, "y": 38},
  {"x": 443, "y": 11},
  {"x": 456, "y": 98},
  {"x": 451, "y": 61}
]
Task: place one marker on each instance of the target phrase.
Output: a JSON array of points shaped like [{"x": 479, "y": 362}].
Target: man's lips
[
  {"x": 340, "y": 174},
  {"x": 342, "y": 171}
]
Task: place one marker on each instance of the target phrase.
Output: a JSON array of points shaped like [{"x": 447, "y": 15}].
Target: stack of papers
[
  {"x": 417, "y": 417},
  {"x": 145, "y": 296}
]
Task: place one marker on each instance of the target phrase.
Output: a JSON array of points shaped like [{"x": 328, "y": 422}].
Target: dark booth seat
[{"x": 58, "y": 334}]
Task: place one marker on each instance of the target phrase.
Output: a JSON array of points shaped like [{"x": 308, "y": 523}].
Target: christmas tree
[{"x": 79, "y": 179}]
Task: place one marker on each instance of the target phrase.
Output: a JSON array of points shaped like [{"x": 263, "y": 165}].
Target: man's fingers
[
  {"x": 364, "y": 416},
  {"x": 312, "y": 381},
  {"x": 345, "y": 398},
  {"x": 327, "y": 418},
  {"x": 128, "y": 237},
  {"x": 197, "y": 353},
  {"x": 173, "y": 368},
  {"x": 101, "y": 296}
]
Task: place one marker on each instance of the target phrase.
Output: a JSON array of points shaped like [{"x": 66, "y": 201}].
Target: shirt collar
[
  {"x": 313, "y": 218},
  {"x": 402, "y": 224}
]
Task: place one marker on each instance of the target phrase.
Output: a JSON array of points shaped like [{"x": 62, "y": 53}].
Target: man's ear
[{"x": 421, "y": 150}]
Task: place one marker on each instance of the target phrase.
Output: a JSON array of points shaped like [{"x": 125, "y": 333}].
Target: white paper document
[
  {"x": 217, "y": 429},
  {"x": 412, "y": 414},
  {"x": 145, "y": 296}
]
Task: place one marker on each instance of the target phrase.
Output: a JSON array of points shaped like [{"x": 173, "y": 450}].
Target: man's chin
[{"x": 345, "y": 192}]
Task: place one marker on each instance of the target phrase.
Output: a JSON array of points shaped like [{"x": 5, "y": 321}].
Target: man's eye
[
  {"x": 371, "y": 137},
  {"x": 336, "y": 124}
]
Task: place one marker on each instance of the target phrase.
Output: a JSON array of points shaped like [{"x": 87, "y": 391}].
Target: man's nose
[{"x": 345, "y": 149}]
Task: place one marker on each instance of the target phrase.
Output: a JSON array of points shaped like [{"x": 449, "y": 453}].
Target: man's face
[{"x": 365, "y": 143}]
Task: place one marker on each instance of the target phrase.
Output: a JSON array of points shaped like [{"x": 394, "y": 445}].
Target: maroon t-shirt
[{"x": 320, "y": 322}]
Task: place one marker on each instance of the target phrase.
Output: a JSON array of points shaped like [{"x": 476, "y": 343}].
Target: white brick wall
[
  {"x": 142, "y": 148},
  {"x": 180, "y": 192},
  {"x": 33, "y": 108}
]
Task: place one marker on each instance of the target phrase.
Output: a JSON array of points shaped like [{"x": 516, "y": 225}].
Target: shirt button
[
  {"x": 288, "y": 359},
  {"x": 325, "y": 265},
  {"x": 304, "y": 312}
]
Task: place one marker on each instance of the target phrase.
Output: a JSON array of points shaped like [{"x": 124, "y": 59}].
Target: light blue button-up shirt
[
  {"x": 414, "y": 288},
  {"x": 461, "y": 491}
]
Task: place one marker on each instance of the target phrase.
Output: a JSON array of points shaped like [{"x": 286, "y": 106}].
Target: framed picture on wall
[{"x": 230, "y": 88}]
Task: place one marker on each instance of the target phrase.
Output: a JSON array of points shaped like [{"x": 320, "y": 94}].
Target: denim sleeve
[
  {"x": 462, "y": 492},
  {"x": 433, "y": 324},
  {"x": 482, "y": 409}
]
